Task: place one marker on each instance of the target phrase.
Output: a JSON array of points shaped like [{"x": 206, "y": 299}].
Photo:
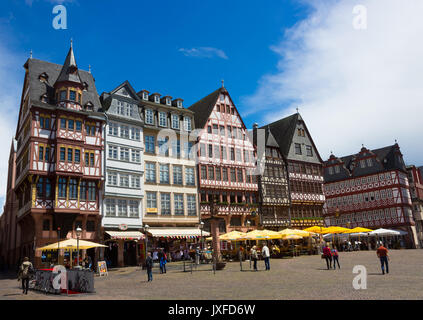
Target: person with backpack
[{"x": 25, "y": 272}]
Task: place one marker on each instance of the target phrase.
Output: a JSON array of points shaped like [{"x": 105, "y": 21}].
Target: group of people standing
[
  {"x": 161, "y": 257},
  {"x": 333, "y": 256}
]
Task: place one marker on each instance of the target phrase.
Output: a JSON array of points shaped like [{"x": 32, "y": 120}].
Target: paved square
[{"x": 304, "y": 277}]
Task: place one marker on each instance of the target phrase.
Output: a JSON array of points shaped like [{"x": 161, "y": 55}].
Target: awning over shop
[
  {"x": 126, "y": 235},
  {"x": 179, "y": 233}
]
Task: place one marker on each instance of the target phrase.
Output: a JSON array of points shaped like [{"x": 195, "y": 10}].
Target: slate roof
[
  {"x": 283, "y": 130},
  {"x": 38, "y": 88},
  {"x": 270, "y": 139},
  {"x": 204, "y": 107},
  {"x": 107, "y": 97},
  {"x": 69, "y": 70},
  {"x": 383, "y": 159}
]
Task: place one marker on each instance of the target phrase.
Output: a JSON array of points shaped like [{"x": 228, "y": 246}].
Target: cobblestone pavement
[{"x": 304, "y": 277}]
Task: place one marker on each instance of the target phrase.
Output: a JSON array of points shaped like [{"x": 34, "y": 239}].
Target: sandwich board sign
[{"x": 102, "y": 268}]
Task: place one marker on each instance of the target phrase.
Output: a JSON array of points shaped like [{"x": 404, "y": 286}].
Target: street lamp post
[
  {"x": 78, "y": 235},
  {"x": 146, "y": 239},
  {"x": 201, "y": 230},
  {"x": 58, "y": 246},
  {"x": 248, "y": 229}
]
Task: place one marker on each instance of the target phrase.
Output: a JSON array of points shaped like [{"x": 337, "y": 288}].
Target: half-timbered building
[
  {"x": 58, "y": 156},
  {"x": 273, "y": 184},
  {"x": 124, "y": 175},
  {"x": 369, "y": 189},
  {"x": 415, "y": 179},
  {"x": 226, "y": 163},
  {"x": 305, "y": 170}
]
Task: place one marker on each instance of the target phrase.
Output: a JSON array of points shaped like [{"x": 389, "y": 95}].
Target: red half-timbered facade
[
  {"x": 58, "y": 157},
  {"x": 226, "y": 158},
  {"x": 369, "y": 189}
]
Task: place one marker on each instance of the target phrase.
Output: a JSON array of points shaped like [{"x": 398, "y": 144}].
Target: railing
[{"x": 229, "y": 209}]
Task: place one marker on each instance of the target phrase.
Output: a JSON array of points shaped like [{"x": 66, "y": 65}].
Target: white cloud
[
  {"x": 352, "y": 86},
  {"x": 11, "y": 80},
  {"x": 204, "y": 52}
]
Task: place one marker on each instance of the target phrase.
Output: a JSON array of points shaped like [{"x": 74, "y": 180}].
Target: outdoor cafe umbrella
[
  {"x": 302, "y": 233},
  {"x": 72, "y": 244},
  {"x": 292, "y": 237},
  {"x": 232, "y": 236},
  {"x": 316, "y": 229},
  {"x": 261, "y": 235}
]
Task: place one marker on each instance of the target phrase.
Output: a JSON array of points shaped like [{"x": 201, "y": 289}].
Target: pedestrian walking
[
  {"x": 327, "y": 255},
  {"x": 266, "y": 255},
  {"x": 383, "y": 256},
  {"x": 335, "y": 257},
  {"x": 25, "y": 272},
  {"x": 254, "y": 256},
  {"x": 163, "y": 261},
  {"x": 197, "y": 255},
  {"x": 149, "y": 266}
]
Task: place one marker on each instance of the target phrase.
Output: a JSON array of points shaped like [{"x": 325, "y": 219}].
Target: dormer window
[
  {"x": 43, "y": 77},
  {"x": 145, "y": 95},
  {"x": 156, "y": 99},
  {"x": 44, "y": 98},
  {"x": 168, "y": 102},
  {"x": 89, "y": 106},
  {"x": 179, "y": 104},
  {"x": 85, "y": 86}
]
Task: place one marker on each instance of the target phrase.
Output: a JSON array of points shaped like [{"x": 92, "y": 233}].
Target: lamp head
[{"x": 78, "y": 232}]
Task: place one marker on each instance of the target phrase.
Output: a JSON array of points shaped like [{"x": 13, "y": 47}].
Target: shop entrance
[
  {"x": 130, "y": 253},
  {"x": 111, "y": 254}
]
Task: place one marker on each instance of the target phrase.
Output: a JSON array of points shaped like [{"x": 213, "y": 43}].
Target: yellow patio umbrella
[
  {"x": 232, "y": 236},
  {"x": 72, "y": 244},
  {"x": 316, "y": 229},
  {"x": 301, "y": 233},
  {"x": 292, "y": 237},
  {"x": 358, "y": 230},
  {"x": 335, "y": 230},
  {"x": 261, "y": 235}
]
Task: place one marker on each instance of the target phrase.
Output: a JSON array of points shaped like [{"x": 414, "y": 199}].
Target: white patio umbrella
[{"x": 385, "y": 232}]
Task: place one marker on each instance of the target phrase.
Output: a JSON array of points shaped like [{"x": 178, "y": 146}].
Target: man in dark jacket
[{"x": 149, "y": 266}]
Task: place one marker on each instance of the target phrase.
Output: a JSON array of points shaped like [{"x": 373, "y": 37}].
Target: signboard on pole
[{"x": 102, "y": 268}]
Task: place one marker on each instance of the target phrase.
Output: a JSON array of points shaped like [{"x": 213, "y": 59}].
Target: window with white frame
[
  {"x": 188, "y": 150},
  {"x": 178, "y": 200},
  {"x": 177, "y": 174},
  {"x": 122, "y": 208},
  {"x": 156, "y": 99},
  {"x": 124, "y": 154},
  {"x": 124, "y": 131},
  {"x": 151, "y": 199},
  {"x": 133, "y": 208},
  {"x": 168, "y": 101},
  {"x": 176, "y": 148},
  {"x": 190, "y": 176},
  {"x": 175, "y": 121},
  {"x": 124, "y": 180},
  {"x": 369, "y": 162},
  {"x": 164, "y": 173},
  {"x": 149, "y": 144},
  {"x": 113, "y": 129},
  {"x": 362, "y": 163},
  {"x": 113, "y": 152},
  {"x": 165, "y": 203},
  {"x": 112, "y": 178},
  {"x": 187, "y": 124},
  {"x": 135, "y": 134},
  {"x": 162, "y": 119},
  {"x": 110, "y": 207},
  {"x": 135, "y": 182},
  {"x": 149, "y": 116},
  {"x": 191, "y": 205},
  {"x": 135, "y": 156},
  {"x": 150, "y": 172}
]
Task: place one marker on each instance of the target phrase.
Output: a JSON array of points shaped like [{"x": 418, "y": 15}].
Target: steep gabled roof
[
  {"x": 106, "y": 97},
  {"x": 283, "y": 130},
  {"x": 270, "y": 139},
  {"x": 38, "y": 88},
  {"x": 387, "y": 158},
  {"x": 69, "y": 70},
  {"x": 204, "y": 107}
]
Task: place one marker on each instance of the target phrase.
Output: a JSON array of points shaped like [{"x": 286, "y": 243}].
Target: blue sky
[
  {"x": 150, "y": 43},
  {"x": 352, "y": 86}
]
